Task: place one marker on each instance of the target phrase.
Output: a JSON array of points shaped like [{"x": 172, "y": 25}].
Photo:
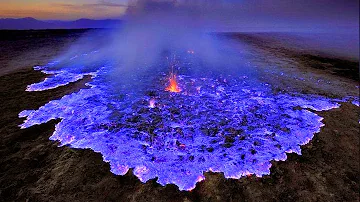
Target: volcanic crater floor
[{"x": 33, "y": 168}]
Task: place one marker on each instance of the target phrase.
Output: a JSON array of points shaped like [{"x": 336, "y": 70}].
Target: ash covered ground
[{"x": 35, "y": 168}]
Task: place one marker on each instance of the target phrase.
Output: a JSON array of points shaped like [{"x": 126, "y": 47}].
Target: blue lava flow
[{"x": 230, "y": 124}]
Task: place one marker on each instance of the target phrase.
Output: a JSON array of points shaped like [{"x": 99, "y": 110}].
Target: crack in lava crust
[{"x": 224, "y": 124}]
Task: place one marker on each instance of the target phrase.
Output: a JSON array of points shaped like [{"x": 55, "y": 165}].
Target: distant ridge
[{"x": 32, "y": 23}]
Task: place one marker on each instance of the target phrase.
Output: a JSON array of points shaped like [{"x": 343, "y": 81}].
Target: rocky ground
[{"x": 33, "y": 168}]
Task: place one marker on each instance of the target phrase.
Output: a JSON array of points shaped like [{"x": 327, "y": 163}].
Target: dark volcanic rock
[{"x": 33, "y": 168}]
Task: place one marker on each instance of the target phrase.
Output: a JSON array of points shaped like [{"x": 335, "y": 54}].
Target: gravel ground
[{"x": 33, "y": 168}]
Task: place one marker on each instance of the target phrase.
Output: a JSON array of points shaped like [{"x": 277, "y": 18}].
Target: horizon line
[{"x": 4, "y": 18}]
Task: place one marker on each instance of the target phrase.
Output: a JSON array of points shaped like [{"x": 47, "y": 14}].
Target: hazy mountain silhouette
[{"x": 32, "y": 23}]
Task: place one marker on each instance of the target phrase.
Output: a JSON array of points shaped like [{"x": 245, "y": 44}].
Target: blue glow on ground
[{"x": 230, "y": 124}]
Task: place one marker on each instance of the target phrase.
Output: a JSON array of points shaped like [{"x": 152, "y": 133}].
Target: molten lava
[{"x": 173, "y": 86}]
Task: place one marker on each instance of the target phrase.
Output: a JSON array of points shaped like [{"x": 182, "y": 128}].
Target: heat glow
[
  {"x": 173, "y": 85},
  {"x": 232, "y": 124}
]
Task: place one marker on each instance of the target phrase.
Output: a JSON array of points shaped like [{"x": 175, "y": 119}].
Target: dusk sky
[
  {"x": 257, "y": 13},
  {"x": 62, "y": 10}
]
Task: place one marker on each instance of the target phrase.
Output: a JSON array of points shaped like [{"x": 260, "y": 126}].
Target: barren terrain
[{"x": 33, "y": 168}]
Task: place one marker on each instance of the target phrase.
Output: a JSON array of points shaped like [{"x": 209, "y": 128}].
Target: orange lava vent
[{"x": 173, "y": 86}]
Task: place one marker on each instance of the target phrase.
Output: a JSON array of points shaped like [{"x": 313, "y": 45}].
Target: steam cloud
[{"x": 156, "y": 33}]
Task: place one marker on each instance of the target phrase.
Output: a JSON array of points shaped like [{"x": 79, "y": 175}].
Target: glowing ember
[
  {"x": 152, "y": 103},
  {"x": 173, "y": 86}
]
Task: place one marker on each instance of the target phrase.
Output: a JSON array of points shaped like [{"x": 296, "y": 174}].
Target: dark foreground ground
[{"x": 33, "y": 168}]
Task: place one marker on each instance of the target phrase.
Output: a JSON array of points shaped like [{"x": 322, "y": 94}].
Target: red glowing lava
[{"x": 173, "y": 86}]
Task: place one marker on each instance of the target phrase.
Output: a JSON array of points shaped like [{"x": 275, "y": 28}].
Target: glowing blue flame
[{"x": 230, "y": 124}]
